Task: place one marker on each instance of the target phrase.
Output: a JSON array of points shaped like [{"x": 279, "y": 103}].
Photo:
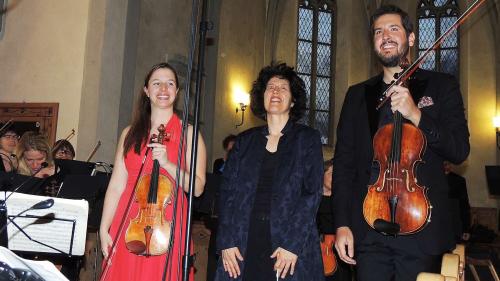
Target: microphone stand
[
  {"x": 204, "y": 26},
  {"x": 4, "y": 239},
  {"x": 45, "y": 204}
]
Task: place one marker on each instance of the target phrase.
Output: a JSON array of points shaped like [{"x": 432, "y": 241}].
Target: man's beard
[{"x": 395, "y": 59}]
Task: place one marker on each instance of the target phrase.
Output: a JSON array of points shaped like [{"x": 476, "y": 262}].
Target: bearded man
[{"x": 432, "y": 102}]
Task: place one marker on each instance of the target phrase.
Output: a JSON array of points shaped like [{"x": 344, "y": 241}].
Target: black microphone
[
  {"x": 45, "y": 204},
  {"x": 43, "y": 165}
]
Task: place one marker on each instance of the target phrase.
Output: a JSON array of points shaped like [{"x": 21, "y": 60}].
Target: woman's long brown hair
[{"x": 138, "y": 134}]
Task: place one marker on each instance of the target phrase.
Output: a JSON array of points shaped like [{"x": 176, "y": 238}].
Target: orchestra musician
[
  {"x": 227, "y": 145},
  {"x": 271, "y": 188},
  {"x": 34, "y": 153},
  {"x": 8, "y": 142},
  {"x": 433, "y": 104},
  {"x": 334, "y": 268},
  {"x": 64, "y": 150},
  {"x": 33, "y": 150},
  {"x": 155, "y": 107}
]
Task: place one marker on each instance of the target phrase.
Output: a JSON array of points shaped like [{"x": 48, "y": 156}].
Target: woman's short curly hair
[{"x": 297, "y": 87}]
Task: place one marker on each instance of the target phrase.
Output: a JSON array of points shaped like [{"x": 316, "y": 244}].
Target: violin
[
  {"x": 329, "y": 261},
  {"x": 395, "y": 203},
  {"x": 148, "y": 234}
]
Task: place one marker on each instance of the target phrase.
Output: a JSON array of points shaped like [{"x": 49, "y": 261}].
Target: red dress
[{"x": 128, "y": 266}]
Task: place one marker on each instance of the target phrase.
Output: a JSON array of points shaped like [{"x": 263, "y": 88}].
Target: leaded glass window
[
  {"x": 315, "y": 54},
  {"x": 434, "y": 18}
]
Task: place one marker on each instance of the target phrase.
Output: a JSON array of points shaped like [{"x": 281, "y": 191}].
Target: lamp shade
[{"x": 496, "y": 122}]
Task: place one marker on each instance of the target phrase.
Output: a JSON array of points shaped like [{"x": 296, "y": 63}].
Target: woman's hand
[
  {"x": 230, "y": 263},
  {"x": 159, "y": 152},
  {"x": 106, "y": 243},
  {"x": 285, "y": 261},
  {"x": 45, "y": 172}
]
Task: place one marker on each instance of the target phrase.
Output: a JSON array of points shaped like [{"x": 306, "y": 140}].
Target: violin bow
[
  {"x": 6, "y": 125},
  {"x": 413, "y": 67},
  {"x": 96, "y": 147}
]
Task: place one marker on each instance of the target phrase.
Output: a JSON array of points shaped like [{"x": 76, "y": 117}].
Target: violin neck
[
  {"x": 153, "y": 185},
  {"x": 395, "y": 155}
]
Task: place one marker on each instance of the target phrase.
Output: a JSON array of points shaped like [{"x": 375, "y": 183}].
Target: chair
[
  {"x": 472, "y": 262},
  {"x": 452, "y": 267}
]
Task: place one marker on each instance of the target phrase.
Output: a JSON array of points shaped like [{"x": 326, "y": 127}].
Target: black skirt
[{"x": 258, "y": 263}]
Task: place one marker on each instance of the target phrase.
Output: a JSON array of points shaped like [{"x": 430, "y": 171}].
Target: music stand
[
  {"x": 30, "y": 185},
  {"x": 90, "y": 188},
  {"x": 74, "y": 167},
  {"x": 58, "y": 230}
]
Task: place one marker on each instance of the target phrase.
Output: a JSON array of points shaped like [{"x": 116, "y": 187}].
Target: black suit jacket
[
  {"x": 460, "y": 203},
  {"x": 445, "y": 128}
]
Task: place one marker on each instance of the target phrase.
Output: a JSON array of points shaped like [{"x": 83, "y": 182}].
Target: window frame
[
  {"x": 438, "y": 12},
  {"x": 317, "y": 6}
]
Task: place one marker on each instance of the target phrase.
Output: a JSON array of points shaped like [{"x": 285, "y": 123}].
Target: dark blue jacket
[{"x": 296, "y": 194}]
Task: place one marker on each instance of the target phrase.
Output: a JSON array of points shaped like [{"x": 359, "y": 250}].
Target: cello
[{"x": 148, "y": 233}]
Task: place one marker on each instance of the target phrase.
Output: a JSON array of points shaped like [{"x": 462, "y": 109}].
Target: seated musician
[
  {"x": 63, "y": 150},
  {"x": 33, "y": 150},
  {"x": 35, "y": 159},
  {"x": 334, "y": 268},
  {"x": 8, "y": 142}
]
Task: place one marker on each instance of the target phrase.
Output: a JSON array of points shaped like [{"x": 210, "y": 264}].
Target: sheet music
[
  {"x": 53, "y": 226},
  {"x": 44, "y": 269}
]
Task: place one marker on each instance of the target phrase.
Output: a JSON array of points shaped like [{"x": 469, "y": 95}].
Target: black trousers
[
  {"x": 343, "y": 272},
  {"x": 386, "y": 258}
]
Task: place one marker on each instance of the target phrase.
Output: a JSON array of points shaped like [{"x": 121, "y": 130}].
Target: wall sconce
[
  {"x": 496, "y": 124},
  {"x": 242, "y": 100},
  {"x": 242, "y": 108}
]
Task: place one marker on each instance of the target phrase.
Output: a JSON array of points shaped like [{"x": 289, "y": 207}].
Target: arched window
[
  {"x": 315, "y": 57},
  {"x": 434, "y": 18}
]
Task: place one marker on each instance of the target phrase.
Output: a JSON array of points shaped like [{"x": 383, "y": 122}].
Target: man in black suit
[
  {"x": 459, "y": 203},
  {"x": 433, "y": 103}
]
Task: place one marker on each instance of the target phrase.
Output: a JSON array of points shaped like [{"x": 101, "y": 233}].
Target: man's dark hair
[
  {"x": 227, "y": 140},
  {"x": 392, "y": 9}
]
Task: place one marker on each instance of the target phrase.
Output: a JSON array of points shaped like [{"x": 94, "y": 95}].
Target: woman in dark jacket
[{"x": 272, "y": 188}]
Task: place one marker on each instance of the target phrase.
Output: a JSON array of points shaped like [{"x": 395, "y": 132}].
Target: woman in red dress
[{"x": 154, "y": 108}]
